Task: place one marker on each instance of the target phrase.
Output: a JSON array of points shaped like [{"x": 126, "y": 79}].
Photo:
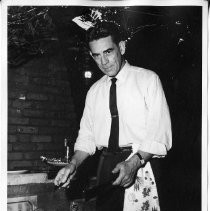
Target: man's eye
[
  {"x": 108, "y": 52},
  {"x": 95, "y": 56}
]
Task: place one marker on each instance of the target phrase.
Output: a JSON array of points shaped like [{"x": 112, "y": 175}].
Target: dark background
[{"x": 167, "y": 40}]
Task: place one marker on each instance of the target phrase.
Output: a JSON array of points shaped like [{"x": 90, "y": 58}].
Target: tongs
[{"x": 92, "y": 192}]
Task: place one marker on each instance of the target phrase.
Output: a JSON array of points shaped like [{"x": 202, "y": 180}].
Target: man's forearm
[{"x": 79, "y": 157}]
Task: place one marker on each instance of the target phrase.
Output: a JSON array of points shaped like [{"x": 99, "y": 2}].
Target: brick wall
[{"x": 41, "y": 111}]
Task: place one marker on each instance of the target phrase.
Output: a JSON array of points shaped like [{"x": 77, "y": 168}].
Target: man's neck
[{"x": 121, "y": 66}]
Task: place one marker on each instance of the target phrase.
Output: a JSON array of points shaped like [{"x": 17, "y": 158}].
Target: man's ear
[
  {"x": 122, "y": 47},
  {"x": 91, "y": 54}
]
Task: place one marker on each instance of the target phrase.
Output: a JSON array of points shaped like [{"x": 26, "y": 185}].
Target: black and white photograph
[{"x": 104, "y": 105}]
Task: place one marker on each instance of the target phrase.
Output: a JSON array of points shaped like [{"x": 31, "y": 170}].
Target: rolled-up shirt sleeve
[
  {"x": 158, "y": 138},
  {"x": 85, "y": 140}
]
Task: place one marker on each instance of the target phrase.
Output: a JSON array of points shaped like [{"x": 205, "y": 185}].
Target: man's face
[{"x": 107, "y": 55}]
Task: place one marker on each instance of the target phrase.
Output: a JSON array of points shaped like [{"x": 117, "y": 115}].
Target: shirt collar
[{"x": 121, "y": 76}]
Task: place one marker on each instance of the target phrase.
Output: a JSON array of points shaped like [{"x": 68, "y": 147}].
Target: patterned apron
[{"x": 142, "y": 195}]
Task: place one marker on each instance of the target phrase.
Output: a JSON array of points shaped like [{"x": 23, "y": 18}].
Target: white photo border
[{"x": 205, "y": 76}]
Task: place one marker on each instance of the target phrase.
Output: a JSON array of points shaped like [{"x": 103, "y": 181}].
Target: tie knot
[{"x": 113, "y": 80}]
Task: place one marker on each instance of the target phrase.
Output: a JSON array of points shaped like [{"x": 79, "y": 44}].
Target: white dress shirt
[{"x": 144, "y": 117}]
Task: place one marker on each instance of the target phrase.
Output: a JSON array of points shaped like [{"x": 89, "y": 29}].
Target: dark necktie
[{"x": 114, "y": 133}]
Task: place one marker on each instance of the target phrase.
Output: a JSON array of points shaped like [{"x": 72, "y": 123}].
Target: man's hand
[
  {"x": 65, "y": 175},
  {"x": 127, "y": 171}
]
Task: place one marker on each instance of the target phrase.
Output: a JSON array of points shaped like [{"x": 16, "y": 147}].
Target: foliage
[
  {"x": 29, "y": 30},
  {"x": 108, "y": 14}
]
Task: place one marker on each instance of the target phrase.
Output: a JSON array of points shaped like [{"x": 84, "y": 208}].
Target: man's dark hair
[{"x": 104, "y": 29}]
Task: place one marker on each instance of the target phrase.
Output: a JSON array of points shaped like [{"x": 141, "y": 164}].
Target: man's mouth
[{"x": 107, "y": 68}]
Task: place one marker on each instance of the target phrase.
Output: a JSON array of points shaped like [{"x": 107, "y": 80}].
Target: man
[{"x": 119, "y": 113}]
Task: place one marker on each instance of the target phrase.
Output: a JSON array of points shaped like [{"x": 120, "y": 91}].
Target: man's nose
[{"x": 104, "y": 60}]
